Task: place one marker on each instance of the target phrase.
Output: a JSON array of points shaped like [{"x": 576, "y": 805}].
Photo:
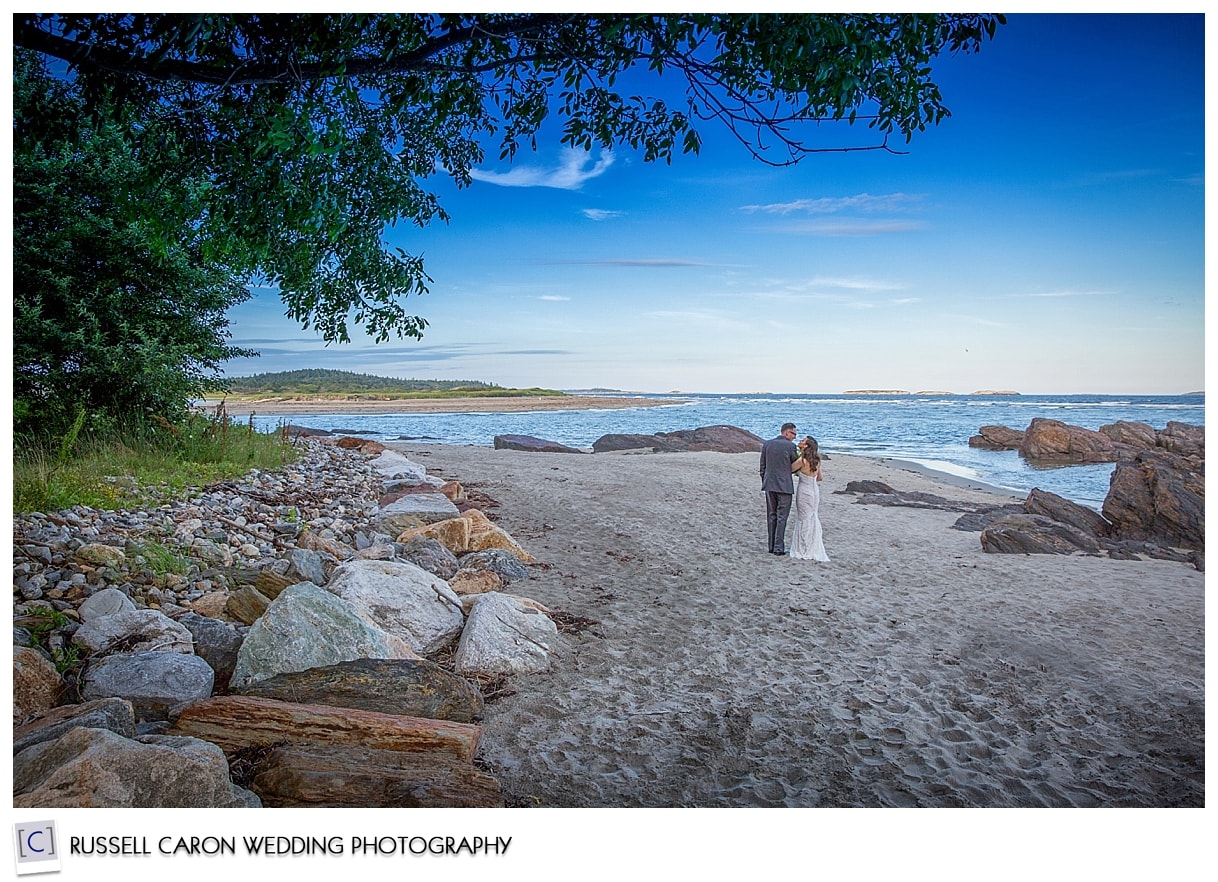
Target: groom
[{"x": 777, "y": 455}]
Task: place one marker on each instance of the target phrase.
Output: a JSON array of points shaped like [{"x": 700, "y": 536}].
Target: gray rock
[
  {"x": 115, "y": 714},
  {"x": 307, "y": 566},
  {"x": 309, "y": 627},
  {"x": 216, "y": 642},
  {"x": 415, "y": 510},
  {"x": 106, "y": 602},
  {"x": 402, "y": 599},
  {"x": 431, "y": 555},
  {"x": 158, "y": 684},
  {"x": 530, "y": 444},
  {"x": 138, "y": 630},
  {"x": 503, "y": 636},
  {"x": 96, "y": 768},
  {"x": 496, "y": 560}
]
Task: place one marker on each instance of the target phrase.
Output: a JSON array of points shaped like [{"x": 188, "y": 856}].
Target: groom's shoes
[{"x": 780, "y": 553}]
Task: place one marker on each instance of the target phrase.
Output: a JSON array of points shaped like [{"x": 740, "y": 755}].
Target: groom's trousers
[{"x": 777, "y": 510}]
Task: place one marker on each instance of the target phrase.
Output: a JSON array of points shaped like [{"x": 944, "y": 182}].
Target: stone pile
[
  {"x": 1155, "y": 505},
  {"x": 265, "y": 641}
]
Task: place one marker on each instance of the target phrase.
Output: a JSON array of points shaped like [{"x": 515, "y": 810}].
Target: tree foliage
[
  {"x": 303, "y": 136},
  {"x": 323, "y": 381},
  {"x": 115, "y": 312}
]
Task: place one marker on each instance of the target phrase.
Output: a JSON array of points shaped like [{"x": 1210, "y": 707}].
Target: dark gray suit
[{"x": 777, "y": 455}]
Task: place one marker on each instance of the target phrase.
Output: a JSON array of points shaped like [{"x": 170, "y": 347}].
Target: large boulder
[
  {"x": 309, "y": 627},
  {"x": 1132, "y": 434},
  {"x": 1050, "y": 505},
  {"x": 1159, "y": 498},
  {"x": 402, "y": 599},
  {"x": 1053, "y": 441},
  {"x": 503, "y": 636},
  {"x": 106, "y": 602},
  {"x": 1183, "y": 439},
  {"x": 485, "y": 535},
  {"x": 414, "y": 510},
  {"x": 718, "y": 439},
  {"x": 134, "y": 630},
  {"x": 97, "y": 768},
  {"x": 410, "y": 687},
  {"x": 431, "y": 554},
  {"x": 530, "y": 444},
  {"x": 503, "y": 563},
  {"x": 1035, "y": 534},
  {"x": 158, "y": 684}
]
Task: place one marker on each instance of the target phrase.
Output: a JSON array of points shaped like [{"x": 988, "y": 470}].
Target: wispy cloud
[
  {"x": 572, "y": 172},
  {"x": 1068, "y": 294},
  {"x": 600, "y": 214},
  {"x": 863, "y": 202},
  {"x": 553, "y": 297},
  {"x": 853, "y": 228},
  {"x": 695, "y": 317},
  {"x": 638, "y": 262}
]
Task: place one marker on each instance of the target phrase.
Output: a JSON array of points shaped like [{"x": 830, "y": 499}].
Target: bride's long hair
[{"x": 811, "y": 452}]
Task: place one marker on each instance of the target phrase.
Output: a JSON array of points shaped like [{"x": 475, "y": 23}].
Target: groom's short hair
[{"x": 788, "y": 426}]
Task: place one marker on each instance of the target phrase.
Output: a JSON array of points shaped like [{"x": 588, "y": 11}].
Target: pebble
[{"x": 260, "y": 517}]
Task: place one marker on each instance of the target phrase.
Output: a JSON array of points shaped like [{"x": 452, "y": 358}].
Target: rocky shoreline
[{"x": 296, "y": 637}]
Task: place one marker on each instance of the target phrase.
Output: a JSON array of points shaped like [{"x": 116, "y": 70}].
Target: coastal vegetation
[{"x": 325, "y": 383}]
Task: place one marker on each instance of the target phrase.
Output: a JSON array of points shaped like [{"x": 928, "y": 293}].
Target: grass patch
[
  {"x": 139, "y": 465},
  {"x": 161, "y": 560}
]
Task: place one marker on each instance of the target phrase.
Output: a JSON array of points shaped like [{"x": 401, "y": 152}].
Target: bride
[{"x": 808, "y": 541}]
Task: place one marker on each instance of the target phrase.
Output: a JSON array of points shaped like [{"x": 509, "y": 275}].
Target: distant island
[
  {"x": 996, "y": 392},
  {"x": 875, "y": 392},
  {"x": 318, "y": 383},
  {"x": 933, "y": 392}
]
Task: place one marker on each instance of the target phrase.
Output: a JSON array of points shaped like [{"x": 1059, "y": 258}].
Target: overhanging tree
[{"x": 308, "y": 134}]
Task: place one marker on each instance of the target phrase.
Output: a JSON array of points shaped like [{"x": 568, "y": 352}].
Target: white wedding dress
[{"x": 808, "y": 540}]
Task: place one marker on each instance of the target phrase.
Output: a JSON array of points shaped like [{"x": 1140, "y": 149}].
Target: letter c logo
[{"x": 29, "y": 841}]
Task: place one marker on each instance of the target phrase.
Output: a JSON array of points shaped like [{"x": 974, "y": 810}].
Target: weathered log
[
  {"x": 236, "y": 721},
  {"x": 360, "y": 777}
]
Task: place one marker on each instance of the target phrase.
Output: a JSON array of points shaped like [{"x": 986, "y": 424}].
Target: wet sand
[{"x": 911, "y": 670}]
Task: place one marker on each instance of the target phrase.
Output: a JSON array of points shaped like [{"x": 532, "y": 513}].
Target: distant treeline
[{"x": 328, "y": 382}]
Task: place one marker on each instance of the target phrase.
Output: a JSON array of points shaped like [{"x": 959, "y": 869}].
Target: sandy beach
[
  {"x": 304, "y": 406},
  {"x": 911, "y": 670}
]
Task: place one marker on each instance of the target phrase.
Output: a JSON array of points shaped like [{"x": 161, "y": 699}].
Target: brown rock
[
  {"x": 996, "y": 438},
  {"x": 1034, "y": 534},
  {"x": 1053, "y": 441},
  {"x": 269, "y": 584},
  {"x": 475, "y": 582},
  {"x": 1183, "y": 439},
  {"x": 1050, "y": 505},
  {"x": 483, "y": 535},
  {"x": 314, "y": 541},
  {"x": 36, "y": 684},
  {"x": 212, "y": 604},
  {"x": 719, "y": 439},
  {"x": 1158, "y": 498},
  {"x": 1133, "y": 434},
  {"x": 236, "y": 721},
  {"x": 247, "y": 604},
  {"x": 405, "y": 687},
  {"x": 361, "y": 777},
  {"x": 453, "y": 534}
]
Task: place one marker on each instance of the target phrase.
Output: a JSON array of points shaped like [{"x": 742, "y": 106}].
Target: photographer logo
[{"x": 37, "y": 847}]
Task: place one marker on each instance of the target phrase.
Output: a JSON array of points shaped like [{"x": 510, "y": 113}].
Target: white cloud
[
  {"x": 553, "y": 297},
  {"x": 1067, "y": 294},
  {"x": 570, "y": 174},
  {"x": 830, "y": 205},
  {"x": 600, "y": 214}
]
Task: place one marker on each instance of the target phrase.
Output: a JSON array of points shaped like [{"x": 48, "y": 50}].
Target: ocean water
[{"x": 931, "y": 430}]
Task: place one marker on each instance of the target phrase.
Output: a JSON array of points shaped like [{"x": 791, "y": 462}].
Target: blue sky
[{"x": 1047, "y": 238}]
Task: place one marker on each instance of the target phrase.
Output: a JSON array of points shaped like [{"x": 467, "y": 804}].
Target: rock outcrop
[
  {"x": 717, "y": 439},
  {"x": 530, "y": 444}
]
